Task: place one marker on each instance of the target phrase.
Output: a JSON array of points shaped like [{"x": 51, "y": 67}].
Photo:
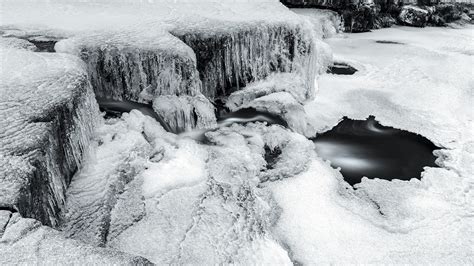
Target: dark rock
[
  {"x": 413, "y": 16},
  {"x": 360, "y": 18},
  {"x": 333, "y": 4},
  {"x": 384, "y": 21},
  {"x": 445, "y": 13}
]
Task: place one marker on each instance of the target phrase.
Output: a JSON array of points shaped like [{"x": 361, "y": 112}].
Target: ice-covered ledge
[
  {"x": 143, "y": 50},
  {"x": 47, "y": 116}
]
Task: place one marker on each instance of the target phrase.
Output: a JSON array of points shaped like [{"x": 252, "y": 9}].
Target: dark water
[
  {"x": 340, "y": 68},
  {"x": 115, "y": 108},
  {"x": 388, "y": 42},
  {"x": 366, "y": 148}
]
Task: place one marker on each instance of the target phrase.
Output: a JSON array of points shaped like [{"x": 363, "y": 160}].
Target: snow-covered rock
[
  {"x": 47, "y": 116},
  {"x": 282, "y": 95},
  {"x": 413, "y": 16}
]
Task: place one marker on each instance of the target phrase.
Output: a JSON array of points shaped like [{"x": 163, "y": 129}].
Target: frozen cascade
[
  {"x": 130, "y": 66},
  {"x": 46, "y": 125},
  {"x": 229, "y": 59}
]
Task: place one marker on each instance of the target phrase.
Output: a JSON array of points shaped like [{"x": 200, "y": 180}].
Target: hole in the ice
[
  {"x": 115, "y": 108},
  {"x": 366, "y": 148},
  {"x": 340, "y": 68},
  {"x": 221, "y": 108},
  {"x": 43, "y": 45},
  {"x": 388, "y": 42},
  {"x": 271, "y": 156}
]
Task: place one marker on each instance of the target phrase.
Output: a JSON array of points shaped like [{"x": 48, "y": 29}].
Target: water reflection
[{"x": 366, "y": 148}]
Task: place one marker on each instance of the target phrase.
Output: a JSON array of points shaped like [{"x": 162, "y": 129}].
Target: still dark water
[{"x": 366, "y": 148}]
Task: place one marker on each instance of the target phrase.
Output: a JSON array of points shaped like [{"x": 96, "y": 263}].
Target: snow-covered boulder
[
  {"x": 47, "y": 116},
  {"x": 282, "y": 94},
  {"x": 414, "y": 16},
  {"x": 291, "y": 83},
  {"x": 26, "y": 241},
  {"x": 184, "y": 113}
]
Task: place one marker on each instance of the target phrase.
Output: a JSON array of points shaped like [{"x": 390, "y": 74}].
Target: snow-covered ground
[{"x": 423, "y": 85}]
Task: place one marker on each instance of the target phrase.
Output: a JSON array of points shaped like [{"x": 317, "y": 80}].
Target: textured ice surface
[
  {"x": 26, "y": 241},
  {"x": 186, "y": 203}
]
